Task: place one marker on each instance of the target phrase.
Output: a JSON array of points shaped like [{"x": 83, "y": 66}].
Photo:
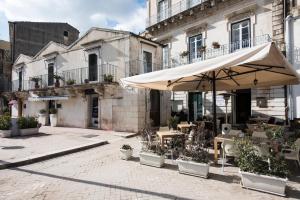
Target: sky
[{"x": 82, "y": 14}]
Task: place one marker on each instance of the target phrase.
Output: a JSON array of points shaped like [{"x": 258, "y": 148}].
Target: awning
[
  {"x": 48, "y": 98},
  {"x": 260, "y": 66}
]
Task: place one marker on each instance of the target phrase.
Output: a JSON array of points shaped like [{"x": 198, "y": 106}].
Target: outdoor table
[
  {"x": 169, "y": 134},
  {"x": 182, "y": 127},
  {"x": 220, "y": 139}
]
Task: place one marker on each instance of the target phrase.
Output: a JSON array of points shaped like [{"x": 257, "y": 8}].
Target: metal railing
[
  {"x": 136, "y": 67},
  {"x": 102, "y": 73},
  {"x": 212, "y": 52},
  {"x": 20, "y": 85},
  {"x": 173, "y": 10}
]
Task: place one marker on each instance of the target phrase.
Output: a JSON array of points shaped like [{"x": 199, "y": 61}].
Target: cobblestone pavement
[
  {"x": 99, "y": 173},
  {"x": 51, "y": 139}
]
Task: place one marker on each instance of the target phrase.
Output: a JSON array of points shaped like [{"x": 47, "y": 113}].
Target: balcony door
[
  {"x": 50, "y": 74},
  {"x": 147, "y": 61},
  {"x": 195, "y": 43},
  {"x": 240, "y": 35},
  {"x": 163, "y": 6},
  {"x": 93, "y": 67},
  {"x": 20, "y": 80}
]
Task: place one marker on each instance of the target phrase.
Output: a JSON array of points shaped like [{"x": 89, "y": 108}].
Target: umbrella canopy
[{"x": 259, "y": 66}]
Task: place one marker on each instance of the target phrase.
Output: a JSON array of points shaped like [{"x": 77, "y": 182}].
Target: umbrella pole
[{"x": 214, "y": 103}]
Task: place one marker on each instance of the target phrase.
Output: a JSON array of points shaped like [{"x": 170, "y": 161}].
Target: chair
[
  {"x": 184, "y": 122},
  {"x": 293, "y": 154},
  {"x": 262, "y": 150},
  {"x": 259, "y": 134},
  {"x": 164, "y": 128},
  {"x": 235, "y": 133},
  {"x": 228, "y": 149}
]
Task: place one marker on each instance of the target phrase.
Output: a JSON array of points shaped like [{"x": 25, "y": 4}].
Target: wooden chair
[
  {"x": 259, "y": 134},
  {"x": 293, "y": 154}
]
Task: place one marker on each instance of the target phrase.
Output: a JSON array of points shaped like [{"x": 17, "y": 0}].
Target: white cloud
[{"x": 83, "y": 14}]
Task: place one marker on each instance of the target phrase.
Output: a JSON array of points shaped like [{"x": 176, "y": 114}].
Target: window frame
[
  {"x": 189, "y": 48},
  {"x": 231, "y": 34}
]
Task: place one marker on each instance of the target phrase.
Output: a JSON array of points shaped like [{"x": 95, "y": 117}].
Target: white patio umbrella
[{"x": 260, "y": 66}]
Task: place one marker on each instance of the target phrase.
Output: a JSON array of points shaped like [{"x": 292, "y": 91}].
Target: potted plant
[
  {"x": 216, "y": 45},
  {"x": 71, "y": 82},
  {"x": 126, "y": 152},
  {"x": 57, "y": 79},
  {"x": 42, "y": 117},
  {"x": 53, "y": 117},
  {"x": 153, "y": 155},
  {"x": 173, "y": 122},
  {"x": 202, "y": 49},
  {"x": 28, "y": 126},
  {"x": 184, "y": 54},
  {"x": 5, "y": 124},
  {"x": 108, "y": 78},
  {"x": 36, "y": 82},
  {"x": 263, "y": 173},
  {"x": 86, "y": 81},
  {"x": 194, "y": 161}
]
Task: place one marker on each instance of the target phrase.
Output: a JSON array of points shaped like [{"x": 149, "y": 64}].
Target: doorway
[
  {"x": 195, "y": 106},
  {"x": 243, "y": 106},
  {"x": 93, "y": 67},
  {"x": 155, "y": 107},
  {"x": 51, "y": 105},
  {"x": 94, "y": 111}
]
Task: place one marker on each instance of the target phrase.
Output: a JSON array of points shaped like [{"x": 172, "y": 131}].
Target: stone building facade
[
  {"x": 30, "y": 37},
  {"x": 89, "y": 94},
  {"x": 5, "y": 71},
  {"x": 196, "y": 30}
]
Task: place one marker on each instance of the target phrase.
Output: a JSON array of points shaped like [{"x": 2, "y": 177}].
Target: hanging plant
[
  {"x": 184, "y": 54},
  {"x": 202, "y": 49},
  {"x": 216, "y": 45}
]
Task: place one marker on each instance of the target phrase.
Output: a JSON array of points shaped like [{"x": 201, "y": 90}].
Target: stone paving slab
[
  {"x": 51, "y": 140},
  {"x": 99, "y": 174}
]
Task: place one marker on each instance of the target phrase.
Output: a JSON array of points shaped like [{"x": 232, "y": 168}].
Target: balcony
[
  {"x": 212, "y": 52},
  {"x": 79, "y": 76},
  {"x": 173, "y": 10}
]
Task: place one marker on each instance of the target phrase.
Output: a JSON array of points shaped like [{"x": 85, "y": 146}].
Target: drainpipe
[{"x": 289, "y": 41}]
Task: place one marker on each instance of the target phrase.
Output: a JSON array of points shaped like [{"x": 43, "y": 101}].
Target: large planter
[
  {"x": 152, "y": 159},
  {"x": 53, "y": 120},
  {"x": 29, "y": 131},
  {"x": 269, "y": 184},
  {"x": 193, "y": 168},
  {"x": 126, "y": 154},
  {"x": 5, "y": 133},
  {"x": 42, "y": 119}
]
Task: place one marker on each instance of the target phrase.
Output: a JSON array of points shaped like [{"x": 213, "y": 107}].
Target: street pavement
[{"x": 99, "y": 173}]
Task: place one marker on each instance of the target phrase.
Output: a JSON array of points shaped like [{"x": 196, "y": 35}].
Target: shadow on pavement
[{"x": 163, "y": 195}]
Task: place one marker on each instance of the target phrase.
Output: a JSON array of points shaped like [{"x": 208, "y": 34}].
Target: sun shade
[{"x": 260, "y": 66}]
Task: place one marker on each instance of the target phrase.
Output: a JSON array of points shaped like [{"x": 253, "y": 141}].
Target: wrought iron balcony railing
[
  {"x": 78, "y": 76},
  {"x": 212, "y": 52},
  {"x": 173, "y": 10}
]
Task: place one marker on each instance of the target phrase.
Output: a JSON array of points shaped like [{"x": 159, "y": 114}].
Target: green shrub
[
  {"x": 43, "y": 111},
  {"x": 53, "y": 111},
  {"x": 27, "y": 122},
  {"x": 250, "y": 161},
  {"x": 4, "y": 122}
]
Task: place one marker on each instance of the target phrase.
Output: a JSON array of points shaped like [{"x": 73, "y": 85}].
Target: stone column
[{"x": 278, "y": 23}]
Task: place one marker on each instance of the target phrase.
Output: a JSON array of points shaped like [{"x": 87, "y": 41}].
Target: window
[
  {"x": 147, "y": 61},
  {"x": 93, "y": 67},
  {"x": 50, "y": 74},
  {"x": 66, "y": 33},
  {"x": 192, "y": 3},
  {"x": 162, "y": 10},
  {"x": 166, "y": 57},
  {"x": 195, "y": 44},
  {"x": 240, "y": 35}
]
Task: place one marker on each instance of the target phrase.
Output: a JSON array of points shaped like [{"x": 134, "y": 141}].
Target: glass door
[
  {"x": 162, "y": 10},
  {"x": 240, "y": 35},
  {"x": 195, "y": 44},
  {"x": 93, "y": 67},
  {"x": 50, "y": 74},
  {"x": 94, "y": 106}
]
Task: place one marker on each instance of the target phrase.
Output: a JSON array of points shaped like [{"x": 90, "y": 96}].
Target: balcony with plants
[{"x": 216, "y": 49}]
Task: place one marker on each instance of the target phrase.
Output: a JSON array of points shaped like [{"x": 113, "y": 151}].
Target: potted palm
[
  {"x": 36, "y": 82},
  {"x": 5, "y": 124},
  {"x": 152, "y": 155},
  {"x": 216, "y": 45},
  {"x": 262, "y": 173},
  {"x": 28, "y": 126},
  {"x": 57, "y": 80},
  {"x": 108, "y": 78},
  {"x": 71, "y": 82},
  {"x": 42, "y": 117},
  {"x": 184, "y": 54},
  {"x": 126, "y": 152},
  {"x": 194, "y": 161},
  {"x": 53, "y": 117}
]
